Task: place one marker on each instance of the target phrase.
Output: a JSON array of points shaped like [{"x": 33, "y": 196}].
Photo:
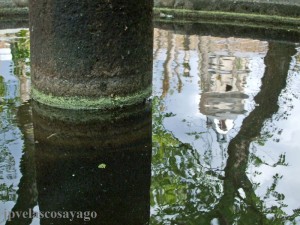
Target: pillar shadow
[{"x": 94, "y": 166}]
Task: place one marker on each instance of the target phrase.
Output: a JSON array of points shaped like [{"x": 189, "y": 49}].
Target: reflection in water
[
  {"x": 251, "y": 209},
  {"x": 27, "y": 190},
  {"x": 86, "y": 162},
  {"x": 70, "y": 161},
  {"x": 225, "y": 73},
  {"x": 202, "y": 156},
  {"x": 7, "y": 171},
  {"x": 93, "y": 164},
  {"x": 274, "y": 155},
  {"x": 11, "y": 96},
  {"x": 224, "y": 145}
]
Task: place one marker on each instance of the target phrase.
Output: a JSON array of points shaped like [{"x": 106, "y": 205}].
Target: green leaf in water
[{"x": 102, "y": 166}]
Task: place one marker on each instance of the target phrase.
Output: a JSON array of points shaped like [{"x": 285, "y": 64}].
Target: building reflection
[
  {"x": 225, "y": 68},
  {"x": 174, "y": 51},
  {"x": 215, "y": 78},
  {"x": 229, "y": 87},
  {"x": 224, "y": 79},
  {"x": 5, "y": 52}
]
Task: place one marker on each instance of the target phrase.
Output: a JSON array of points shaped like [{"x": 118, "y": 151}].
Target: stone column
[{"x": 91, "y": 54}]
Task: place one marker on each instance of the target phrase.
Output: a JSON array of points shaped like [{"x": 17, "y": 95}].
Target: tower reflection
[{"x": 226, "y": 76}]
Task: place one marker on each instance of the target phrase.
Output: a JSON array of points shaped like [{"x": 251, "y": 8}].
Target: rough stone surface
[
  {"x": 186, "y": 4},
  {"x": 270, "y": 7},
  {"x": 6, "y": 3},
  {"x": 290, "y": 34},
  {"x": 14, "y": 3},
  {"x": 9, "y": 12},
  {"x": 91, "y": 49},
  {"x": 21, "y": 3}
]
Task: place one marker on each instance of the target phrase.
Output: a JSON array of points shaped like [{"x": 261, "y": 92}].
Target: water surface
[{"x": 220, "y": 147}]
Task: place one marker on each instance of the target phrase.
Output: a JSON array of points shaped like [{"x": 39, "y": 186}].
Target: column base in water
[{"x": 91, "y": 54}]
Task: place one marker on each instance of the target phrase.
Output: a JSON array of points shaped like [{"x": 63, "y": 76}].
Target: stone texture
[
  {"x": 271, "y": 7},
  {"x": 186, "y": 4},
  {"x": 91, "y": 49},
  {"x": 21, "y": 3},
  {"x": 14, "y": 3},
  {"x": 6, "y": 3}
]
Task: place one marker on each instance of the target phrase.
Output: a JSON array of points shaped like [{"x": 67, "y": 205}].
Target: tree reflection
[
  {"x": 27, "y": 190},
  {"x": 252, "y": 209},
  {"x": 21, "y": 53},
  {"x": 200, "y": 196}
]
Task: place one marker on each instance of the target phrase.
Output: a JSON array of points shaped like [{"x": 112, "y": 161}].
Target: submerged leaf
[{"x": 102, "y": 166}]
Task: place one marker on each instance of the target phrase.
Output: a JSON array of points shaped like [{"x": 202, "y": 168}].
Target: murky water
[{"x": 223, "y": 149}]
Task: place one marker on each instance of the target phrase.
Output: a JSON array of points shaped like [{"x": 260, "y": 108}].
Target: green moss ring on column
[{"x": 77, "y": 102}]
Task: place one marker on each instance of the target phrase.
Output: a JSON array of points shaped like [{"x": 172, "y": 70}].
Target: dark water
[{"x": 219, "y": 144}]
